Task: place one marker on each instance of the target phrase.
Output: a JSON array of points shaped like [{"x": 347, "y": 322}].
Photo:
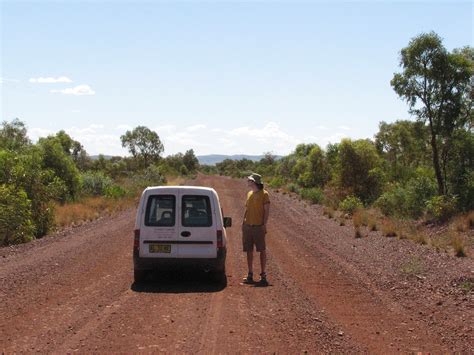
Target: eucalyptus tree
[{"x": 437, "y": 85}]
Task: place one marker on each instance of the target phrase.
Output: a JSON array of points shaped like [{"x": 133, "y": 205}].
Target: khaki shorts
[{"x": 253, "y": 235}]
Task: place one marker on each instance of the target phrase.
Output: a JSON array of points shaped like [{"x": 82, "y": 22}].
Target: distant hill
[{"x": 213, "y": 159}]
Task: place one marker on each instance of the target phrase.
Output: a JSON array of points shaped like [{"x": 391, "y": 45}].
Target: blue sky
[{"x": 219, "y": 77}]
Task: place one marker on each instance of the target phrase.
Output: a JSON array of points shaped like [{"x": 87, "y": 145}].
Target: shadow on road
[{"x": 179, "y": 282}]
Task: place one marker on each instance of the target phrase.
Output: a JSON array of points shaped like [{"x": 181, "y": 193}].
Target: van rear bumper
[{"x": 214, "y": 264}]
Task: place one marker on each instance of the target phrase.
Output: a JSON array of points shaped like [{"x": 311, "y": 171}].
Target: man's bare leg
[
  {"x": 250, "y": 261},
  {"x": 263, "y": 260}
]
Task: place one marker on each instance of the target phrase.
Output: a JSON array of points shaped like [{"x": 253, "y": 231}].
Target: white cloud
[
  {"x": 165, "y": 129},
  {"x": 37, "y": 133},
  {"x": 123, "y": 127},
  {"x": 345, "y": 128},
  {"x": 270, "y": 133},
  {"x": 78, "y": 90},
  {"x": 269, "y": 136},
  {"x": 195, "y": 127},
  {"x": 50, "y": 80},
  {"x": 6, "y": 80}
]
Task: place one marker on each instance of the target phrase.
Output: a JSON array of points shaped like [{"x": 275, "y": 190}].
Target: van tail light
[
  {"x": 136, "y": 240},
  {"x": 219, "y": 236}
]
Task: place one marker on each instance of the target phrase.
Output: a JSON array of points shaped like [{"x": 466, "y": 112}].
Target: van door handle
[{"x": 185, "y": 234}]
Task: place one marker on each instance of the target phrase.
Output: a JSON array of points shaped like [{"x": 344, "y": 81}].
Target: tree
[
  {"x": 57, "y": 160},
  {"x": 190, "y": 161},
  {"x": 359, "y": 169},
  {"x": 404, "y": 146},
  {"x": 143, "y": 144},
  {"x": 436, "y": 85},
  {"x": 13, "y": 135}
]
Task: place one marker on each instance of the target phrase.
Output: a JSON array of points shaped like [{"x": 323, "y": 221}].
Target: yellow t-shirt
[{"x": 254, "y": 206}]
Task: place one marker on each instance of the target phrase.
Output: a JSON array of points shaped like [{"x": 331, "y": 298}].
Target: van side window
[
  {"x": 160, "y": 211},
  {"x": 196, "y": 211}
]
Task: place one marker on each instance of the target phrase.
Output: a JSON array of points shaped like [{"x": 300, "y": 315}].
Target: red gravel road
[{"x": 329, "y": 292}]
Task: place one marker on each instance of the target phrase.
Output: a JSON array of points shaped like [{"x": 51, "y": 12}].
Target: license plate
[{"x": 160, "y": 248}]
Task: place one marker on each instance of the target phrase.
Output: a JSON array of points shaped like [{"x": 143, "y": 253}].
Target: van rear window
[
  {"x": 196, "y": 211},
  {"x": 160, "y": 211}
]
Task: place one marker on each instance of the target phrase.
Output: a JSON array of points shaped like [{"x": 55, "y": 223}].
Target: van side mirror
[{"x": 227, "y": 222}]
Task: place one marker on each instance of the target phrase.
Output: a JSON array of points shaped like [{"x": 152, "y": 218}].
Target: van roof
[{"x": 157, "y": 188}]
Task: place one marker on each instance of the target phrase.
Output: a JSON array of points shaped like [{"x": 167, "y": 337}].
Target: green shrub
[
  {"x": 115, "y": 191},
  {"x": 350, "y": 204},
  {"x": 409, "y": 200},
  {"x": 292, "y": 187},
  {"x": 95, "y": 183},
  {"x": 276, "y": 182},
  {"x": 392, "y": 202},
  {"x": 313, "y": 194},
  {"x": 16, "y": 224},
  {"x": 442, "y": 208}
]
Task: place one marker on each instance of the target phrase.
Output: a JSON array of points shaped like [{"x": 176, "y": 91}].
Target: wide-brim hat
[{"x": 256, "y": 178}]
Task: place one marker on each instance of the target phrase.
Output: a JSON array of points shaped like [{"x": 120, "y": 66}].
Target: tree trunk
[{"x": 439, "y": 175}]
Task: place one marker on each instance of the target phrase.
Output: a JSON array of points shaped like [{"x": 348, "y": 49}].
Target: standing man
[{"x": 254, "y": 227}]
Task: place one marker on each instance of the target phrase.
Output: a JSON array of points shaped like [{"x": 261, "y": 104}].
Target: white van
[{"x": 180, "y": 226}]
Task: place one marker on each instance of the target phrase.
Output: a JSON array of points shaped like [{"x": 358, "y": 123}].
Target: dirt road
[{"x": 329, "y": 292}]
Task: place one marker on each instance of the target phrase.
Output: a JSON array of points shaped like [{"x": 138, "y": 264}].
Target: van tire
[
  {"x": 218, "y": 277},
  {"x": 139, "y": 276}
]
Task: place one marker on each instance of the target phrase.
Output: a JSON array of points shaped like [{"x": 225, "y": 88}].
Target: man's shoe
[
  {"x": 263, "y": 280},
  {"x": 248, "y": 279}
]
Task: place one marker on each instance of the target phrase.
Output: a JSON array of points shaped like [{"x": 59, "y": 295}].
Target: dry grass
[
  {"x": 458, "y": 244},
  {"x": 464, "y": 223},
  {"x": 373, "y": 224},
  {"x": 175, "y": 181},
  {"x": 360, "y": 218},
  {"x": 419, "y": 238},
  {"x": 358, "y": 233},
  {"x": 329, "y": 212},
  {"x": 89, "y": 209},
  {"x": 389, "y": 228},
  {"x": 342, "y": 222}
]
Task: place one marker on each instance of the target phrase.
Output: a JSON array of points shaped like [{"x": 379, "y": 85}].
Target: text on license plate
[{"x": 160, "y": 248}]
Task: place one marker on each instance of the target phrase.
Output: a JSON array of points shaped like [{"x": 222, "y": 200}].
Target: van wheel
[
  {"x": 218, "y": 276},
  {"x": 139, "y": 275}
]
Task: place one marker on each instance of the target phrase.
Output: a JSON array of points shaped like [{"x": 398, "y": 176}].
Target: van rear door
[
  {"x": 197, "y": 234},
  {"x": 160, "y": 227}
]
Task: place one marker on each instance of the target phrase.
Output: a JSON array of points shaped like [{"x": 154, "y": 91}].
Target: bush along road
[{"x": 329, "y": 291}]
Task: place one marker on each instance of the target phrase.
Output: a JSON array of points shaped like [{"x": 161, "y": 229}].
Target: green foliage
[
  {"x": 236, "y": 168},
  {"x": 115, "y": 191},
  {"x": 95, "y": 183},
  {"x": 13, "y": 135},
  {"x": 190, "y": 161},
  {"x": 313, "y": 194},
  {"x": 404, "y": 146},
  {"x": 276, "y": 182},
  {"x": 56, "y": 159},
  {"x": 144, "y": 144},
  {"x": 436, "y": 85},
  {"x": 351, "y": 204},
  {"x": 152, "y": 176},
  {"x": 442, "y": 207},
  {"x": 16, "y": 224},
  {"x": 460, "y": 167},
  {"x": 359, "y": 169},
  {"x": 292, "y": 187},
  {"x": 408, "y": 200}
]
